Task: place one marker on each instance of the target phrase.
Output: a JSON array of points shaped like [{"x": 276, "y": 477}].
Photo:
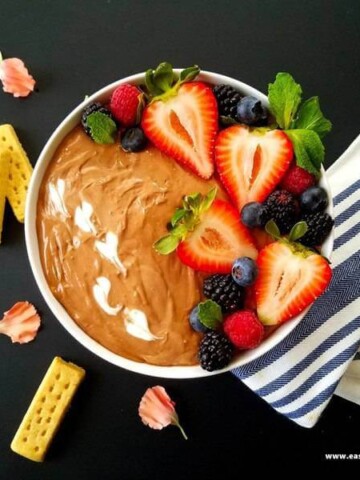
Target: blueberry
[
  {"x": 244, "y": 271},
  {"x": 133, "y": 140},
  {"x": 195, "y": 321},
  {"x": 253, "y": 214},
  {"x": 250, "y": 111},
  {"x": 314, "y": 200}
]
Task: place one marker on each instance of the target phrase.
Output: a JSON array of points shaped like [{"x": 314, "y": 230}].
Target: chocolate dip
[{"x": 99, "y": 212}]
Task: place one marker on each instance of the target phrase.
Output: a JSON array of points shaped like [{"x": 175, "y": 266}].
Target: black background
[{"x": 73, "y": 48}]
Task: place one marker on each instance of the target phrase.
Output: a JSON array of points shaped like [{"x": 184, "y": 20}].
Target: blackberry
[
  {"x": 215, "y": 351},
  {"x": 319, "y": 227},
  {"x": 227, "y": 99},
  {"x": 281, "y": 207},
  {"x": 92, "y": 108},
  {"x": 225, "y": 292}
]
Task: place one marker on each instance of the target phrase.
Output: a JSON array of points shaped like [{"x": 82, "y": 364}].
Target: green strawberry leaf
[
  {"x": 228, "y": 120},
  {"x": 208, "y": 200},
  {"x": 298, "y": 231},
  {"x": 308, "y": 148},
  {"x": 210, "y": 314},
  {"x": 102, "y": 128},
  {"x": 185, "y": 220},
  {"x": 284, "y": 98},
  {"x": 310, "y": 117},
  {"x": 189, "y": 74},
  {"x": 273, "y": 230},
  {"x": 153, "y": 89},
  {"x": 164, "y": 76},
  {"x": 178, "y": 215},
  {"x": 167, "y": 244},
  {"x": 192, "y": 202}
]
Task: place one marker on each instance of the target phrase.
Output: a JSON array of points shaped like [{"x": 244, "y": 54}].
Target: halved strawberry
[
  {"x": 251, "y": 162},
  {"x": 290, "y": 278},
  {"x": 184, "y": 126},
  {"x": 217, "y": 240}
]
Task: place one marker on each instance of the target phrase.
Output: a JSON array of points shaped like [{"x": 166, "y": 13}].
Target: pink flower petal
[
  {"x": 20, "y": 323},
  {"x": 15, "y": 77},
  {"x": 157, "y": 410}
]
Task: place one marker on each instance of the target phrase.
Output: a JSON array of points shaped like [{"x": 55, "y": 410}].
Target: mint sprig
[
  {"x": 304, "y": 124},
  {"x": 102, "y": 128},
  {"x": 309, "y": 149},
  {"x": 310, "y": 117},
  {"x": 284, "y": 98},
  {"x": 210, "y": 314},
  {"x": 185, "y": 220},
  {"x": 162, "y": 83}
]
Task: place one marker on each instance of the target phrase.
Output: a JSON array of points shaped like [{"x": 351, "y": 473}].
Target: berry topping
[
  {"x": 319, "y": 226},
  {"x": 225, "y": 292},
  {"x": 251, "y": 112},
  {"x": 92, "y": 108},
  {"x": 195, "y": 321},
  {"x": 227, "y": 99},
  {"x": 313, "y": 200},
  {"x": 282, "y": 208},
  {"x": 126, "y": 105},
  {"x": 251, "y": 162},
  {"x": 215, "y": 351},
  {"x": 244, "y": 329},
  {"x": 133, "y": 140},
  {"x": 297, "y": 180},
  {"x": 253, "y": 214},
  {"x": 290, "y": 278},
  {"x": 182, "y": 118},
  {"x": 207, "y": 234},
  {"x": 244, "y": 271}
]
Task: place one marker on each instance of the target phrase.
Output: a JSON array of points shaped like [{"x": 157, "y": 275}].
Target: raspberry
[
  {"x": 244, "y": 329},
  {"x": 126, "y": 105},
  {"x": 297, "y": 180}
]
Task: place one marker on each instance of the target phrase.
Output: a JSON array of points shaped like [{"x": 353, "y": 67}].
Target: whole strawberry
[
  {"x": 126, "y": 105},
  {"x": 243, "y": 329}
]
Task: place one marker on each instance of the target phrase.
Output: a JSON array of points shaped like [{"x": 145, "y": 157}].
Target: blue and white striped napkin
[{"x": 299, "y": 376}]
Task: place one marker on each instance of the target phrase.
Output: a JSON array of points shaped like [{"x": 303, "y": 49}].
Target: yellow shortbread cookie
[
  {"x": 47, "y": 409},
  {"x": 20, "y": 170},
  {"x": 4, "y": 174}
]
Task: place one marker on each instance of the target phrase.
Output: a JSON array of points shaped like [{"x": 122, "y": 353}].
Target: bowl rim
[{"x": 178, "y": 372}]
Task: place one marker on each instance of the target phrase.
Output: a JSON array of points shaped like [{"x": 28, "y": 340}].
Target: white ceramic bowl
[{"x": 58, "y": 310}]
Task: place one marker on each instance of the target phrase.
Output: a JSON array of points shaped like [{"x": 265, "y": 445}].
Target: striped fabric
[{"x": 299, "y": 376}]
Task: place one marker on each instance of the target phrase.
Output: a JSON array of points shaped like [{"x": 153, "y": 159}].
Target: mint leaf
[
  {"x": 308, "y": 148},
  {"x": 102, "y": 128},
  {"x": 311, "y": 117},
  {"x": 167, "y": 244},
  {"x": 210, "y": 314},
  {"x": 298, "y": 231},
  {"x": 284, "y": 98}
]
